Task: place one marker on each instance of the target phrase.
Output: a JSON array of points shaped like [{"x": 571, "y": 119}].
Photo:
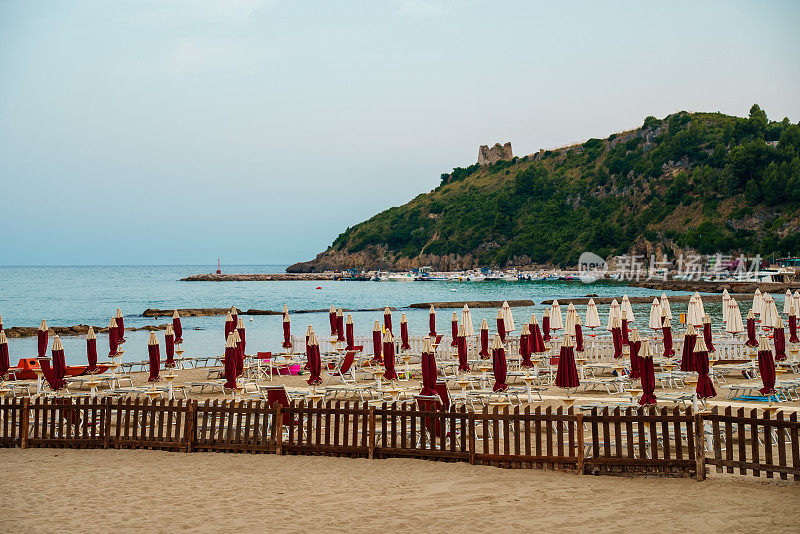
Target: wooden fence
[{"x": 634, "y": 441}]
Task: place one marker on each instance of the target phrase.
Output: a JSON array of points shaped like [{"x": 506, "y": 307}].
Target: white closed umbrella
[
  {"x": 767, "y": 316},
  {"x": 774, "y": 311},
  {"x": 569, "y": 321},
  {"x": 666, "y": 310},
  {"x": 613, "y": 311},
  {"x": 726, "y": 298},
  {"x": 592, "y": 317},
  {"x": 701, "y": 311},
  {"x": 466, "y": 320},
  {"x": 797, "y": 302},
  {"x": 508, "y": 318},
  {"x": 655, "y": 315},
  {"x": 787, "y": 301},
  {"x": 758, "y": 302},
  {"x": 556, "y": 320},
  {"x": 626, "y": 305},
  {"x": 735, "y": 323}
]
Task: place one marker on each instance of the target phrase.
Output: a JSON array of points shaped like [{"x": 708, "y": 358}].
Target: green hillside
[{"x": 705, "y": 181}]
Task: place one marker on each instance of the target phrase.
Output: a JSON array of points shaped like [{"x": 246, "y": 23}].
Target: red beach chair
[{"x": 345, "y": 372}]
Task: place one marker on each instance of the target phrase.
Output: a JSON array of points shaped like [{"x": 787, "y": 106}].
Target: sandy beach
[{"x": 154, "y": 491}]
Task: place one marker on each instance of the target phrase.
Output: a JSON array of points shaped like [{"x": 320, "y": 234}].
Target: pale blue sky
[{"x": 180, "y": 131}]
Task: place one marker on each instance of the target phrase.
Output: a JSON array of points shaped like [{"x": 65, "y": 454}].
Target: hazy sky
[{"x": 180, "y": 131}]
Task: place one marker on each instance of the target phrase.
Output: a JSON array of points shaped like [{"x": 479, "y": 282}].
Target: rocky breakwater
[
  {"x": 473, "y": 304},
  {"x": 77, "y": 330},
  {"x": 274, "y": 277}
]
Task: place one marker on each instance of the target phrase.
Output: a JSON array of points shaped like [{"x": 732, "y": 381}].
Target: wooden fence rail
[{"x": 632, "y": 441}]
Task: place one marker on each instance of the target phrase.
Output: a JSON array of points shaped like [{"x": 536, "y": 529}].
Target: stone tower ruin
[{"x": 498, "y": 152}]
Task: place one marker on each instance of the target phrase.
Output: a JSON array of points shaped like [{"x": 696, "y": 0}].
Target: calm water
[{"x": 67, "y": 296}]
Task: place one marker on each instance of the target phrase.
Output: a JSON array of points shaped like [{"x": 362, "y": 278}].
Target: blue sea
[{"x": 71, "y": 295}]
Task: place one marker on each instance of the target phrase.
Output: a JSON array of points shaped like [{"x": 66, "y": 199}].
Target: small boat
[
  {"x": 26, "y": 369},
  {"x": 400, "y": 277}
]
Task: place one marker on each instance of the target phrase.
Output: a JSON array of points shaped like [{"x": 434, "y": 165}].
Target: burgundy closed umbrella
[
  {"x": 240, "y": 331},
  {"x": 349, "y": 335},
  {"x": 428, "y": 369},
  {"x": 484, "y": 352},
  {"x": 91, "y": 350},
  {"x": 177, "y": 328},
  {"x": 666, "y": 331},
  {"x": 332, "y": 320},
  {"x": 120, "y": 320},
  {"x": 766, "y": 367},
  {"x": 287, "y": 329},
  {"x": 705, "y": 388},
  {"x": 113, "y": 338},
  {"x": 59, "y": 365},
  {"x": 647, "y": 375},
  {"x": 169, "y": 347},
  {"x": 309, "y": 331},
  {"x": 792, "y": 325},
  {"x": 388, "y": 356},
  {"x": 387, "y": 319},
  {"x": 238, "y": 352},
  {"x": 230, "y": 362},
  {"x": 525, "y": 346},
  {"x": 536, "y": 339},
  {"x": 154, "y": 352},
  {"x": 626, "y": 339},
  {"x": 616, "y": 335},
  {"x": 751, "y": 330},
  {"x": 779, "y": 339},
  {"x": 1, "y": 323},
  {"x": 461, "y": 337},
  {"x": 432, "y": 323},
  {"x": 314, "y": 361},
  {"x": 546, "y": 325},
  {"x": 454, "y": 330},
  {"x": 234, "y": 316},
  {"x": 578, "y": 334},
  {"x": 636, "y": 344},
  {"x": 230, "y": 326},
  {"x": 707, "y": 333},
  {"x": 4, "y": 360},
  {"x": 404, "y": 341},
  {"x": 499, "y": 365},
  {"x": 567, "y": 371},
  {"x": 377, "y": 342},
  {"x": 41, "y": 339},
  {"x": 687, "y": 356},
  {"x": 501, "y": 326},
  {"x": 340, "y": 325}
]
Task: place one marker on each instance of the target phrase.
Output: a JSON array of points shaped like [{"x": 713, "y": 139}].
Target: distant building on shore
[{"x": 494, "y": 154}]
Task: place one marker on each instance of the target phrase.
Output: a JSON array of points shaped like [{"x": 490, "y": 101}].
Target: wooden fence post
[
  {"x": 471, "y": 419},
  {"x": 371, "y": 436},
  {"x": 579, "y": 422},
  {"x": 699, "y": 448},
  {"x": 191, "y": 420},
  {"x": 107, "y": 424},
  {"x": 24, "y": 423},
  {"x": 278, "y": 429}
]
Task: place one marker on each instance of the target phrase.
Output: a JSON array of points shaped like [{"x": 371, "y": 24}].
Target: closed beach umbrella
[
  {"x": 501, "y": 325},
  {"x": 525, "y": 346},
  {"x": 655, "y": 315},
  {"x": 570, "y": 319},
  {"x": 592, "y": 317},
  {"x": 767, "y": 318},
  {"x": 556, "y": 321},
  {"x": 751, "y": 330},
  {"x": 4, "y": 359},
  {"x": 91, "y": 350},
  {"x": 627, "y": 308},
  {"x": 698, "y": 302},
  {"x": 666, "y": 332},
  {"x": 230, "y": 362},
  {"x": 793, "y": 325},
  {"x": 773, "y": 313},
  {"x": 463, "y": 365},
  {"x": 691, "y": 312},
  {"x": 779, "y": 340},
  {"x": 567, "y": 372},
  {"x": 537, "y": 341},
  {"x": 332, "y": 319},
  {"x": 648, "y": 375},
  {"x": 687, "y": 356},
  {"x": 624, "y": 327},
  {"x": 113, "y": 346},
  {"x": 635, "y": 344},
  {"x": 758, "y": 302},
  {"x": 59, "y": 365},
  {"x": 404, "y": 341},
  {"x": 616, "y": 336},
  {"x": 578, "y": 334},
  {"x": 705, "y": 388},
  {"x": 508, "y": 317},
  {"x": 169, "y": 346},
  {"x": 665, "y": 306},
  {"x": 153, "y": 352},
  {"x": 41, "y": 339},
  {"x": 546, "y": 324},
  {"x": 428, "y": 368},
  {"x": 177, "y": 328},
  {"x": 388, "y": 356},
  {"x": 499, "y": 366},
  {"x": 707, "y": 334},
  {"x": 377, "y": 342},
  {"x": 230, "y": 326},
  {"x": 454, "y": 330},
  {"x": 238, "y": 353},
  {"x": 797, "y": 303},
  {"x": 349, "y": 336},
  {"x": 613, "y": 311},
  {"x": 432, "y": 322},
  {"x": 787, "y": 302},
  {"x": 234, "y": 316},
  {"x": 466, "y": 320},
  {"x": 387, "y": 319},
  {"x": 734, "y": 324},
  {"x": 766, "y": 367},
  {"x": 120, "y": 326},
  {"x": 339, "y": 325},
  {"x": 242, "y": 338},
  {"x": 484, "y": 352},
  {"x": 726, "y": 299},
  {"x": 314, "y": 361},
  {"x": 287, "y": 329}
]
